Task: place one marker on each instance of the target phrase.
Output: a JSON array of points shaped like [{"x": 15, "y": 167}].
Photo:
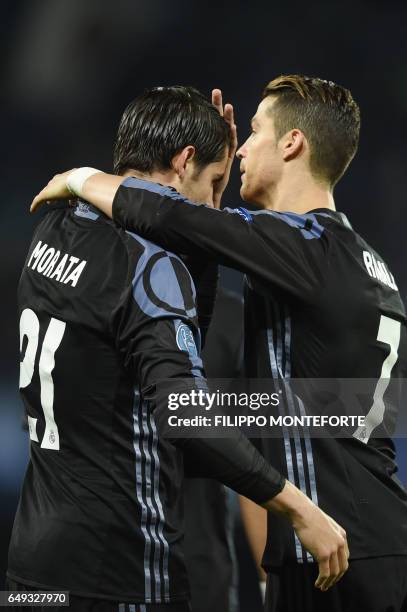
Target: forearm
[
  {"x": 162, "y": 215},
  {"x": 290, "y": 503},
  {"x": 167, "y": 374},
  {"x": 276, "y": 249},
  {"x": 183, "y": 227},
  {"x": 100, "y": 190},
  {"x": 234, "y": 462},
  {"x": 255, "y": 522}
]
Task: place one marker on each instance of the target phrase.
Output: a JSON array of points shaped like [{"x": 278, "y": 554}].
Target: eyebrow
[{"x": 217, "y": 177}]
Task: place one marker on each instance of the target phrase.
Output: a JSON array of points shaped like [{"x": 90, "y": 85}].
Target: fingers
[
  {"x": 217, "y": 100},
  {"x": 338, "y": 566},
  {"x": 233, "y": 143},
  {"x": 334, "y": 571},
  {"x": 324, "y": 572},
  {"x": 329, "y": 572},
  {"x": 346, "y": 544},
  {"x": 230, "y": 119},
  {"x": 56, "y": 189},
  {"x": 343, "y": 558},
  {"x": 41, "y": 198},
  {"x": 36, "y": 203},
  {"x": 343, "y": 555},
  {"x": 333, "y": 567},
  {"x": 229, "y": 114}
]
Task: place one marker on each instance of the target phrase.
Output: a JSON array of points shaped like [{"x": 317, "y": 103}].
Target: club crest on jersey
[
  {"x": 185, "y": 340},
  {"x": 377, "y": 269},
  {"x": 55, "y": 265}
]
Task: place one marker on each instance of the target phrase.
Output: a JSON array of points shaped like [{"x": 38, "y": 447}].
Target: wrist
[
  {"x": 291, "y": 503},
  {"x": 76, "y": 179}
]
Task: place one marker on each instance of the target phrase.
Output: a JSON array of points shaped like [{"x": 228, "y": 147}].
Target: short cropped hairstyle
[
  {"x": 162, "y": 121},
  {"x": 327, "y": 115}
]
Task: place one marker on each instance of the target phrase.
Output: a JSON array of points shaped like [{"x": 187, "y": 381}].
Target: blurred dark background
[{"x": 69, "y": 67}]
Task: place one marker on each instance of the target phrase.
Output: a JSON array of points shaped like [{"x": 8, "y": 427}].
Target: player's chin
[
  {"x": 250, "y": 193},
  {"x": 244, "y": 192}
]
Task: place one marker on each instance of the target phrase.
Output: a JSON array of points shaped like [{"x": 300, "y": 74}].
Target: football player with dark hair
[
  {"x": 320, "y": 303},
  {"x": 104, "y": 316}
]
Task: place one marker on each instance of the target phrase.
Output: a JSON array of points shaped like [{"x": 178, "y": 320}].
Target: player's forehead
[
  {"x": 264, "y": 111},
  {"x": 219, "y": 167}
]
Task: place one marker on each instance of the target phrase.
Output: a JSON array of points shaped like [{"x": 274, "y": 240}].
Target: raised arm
[
  {"x": 90, "y": 184},
  {"x": 279, "y": 249}
]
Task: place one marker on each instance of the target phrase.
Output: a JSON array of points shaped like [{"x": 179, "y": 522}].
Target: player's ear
[
  {"x": 180, "y": 160},
  {"x": 292, "y": 144}
]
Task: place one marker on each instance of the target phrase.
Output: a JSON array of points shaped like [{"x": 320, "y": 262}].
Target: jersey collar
[{"x": 332, "y": 214}]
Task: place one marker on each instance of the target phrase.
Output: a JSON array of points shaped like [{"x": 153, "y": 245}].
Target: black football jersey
[
  {"x": 104, "y": 315},
  {"x": 320, "y": 303},
  {"x": 209, "y": 515}
]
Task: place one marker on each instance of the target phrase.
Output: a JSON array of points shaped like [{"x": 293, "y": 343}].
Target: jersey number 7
[
  {"x": 29, "y": 328},
  {"x": 389, "y": 333}
]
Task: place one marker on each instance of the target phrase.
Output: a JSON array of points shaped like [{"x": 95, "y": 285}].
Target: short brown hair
[{"x": 327, "y": 115}]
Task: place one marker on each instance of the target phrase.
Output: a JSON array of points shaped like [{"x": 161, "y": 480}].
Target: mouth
[{"x": 242, "y": 176}]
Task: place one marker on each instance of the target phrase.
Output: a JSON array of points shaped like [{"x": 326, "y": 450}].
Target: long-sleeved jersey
[
  {"x": 319, "y": 303},
  {"x": 104, "y": 316},
  {"x": 210, "y": 549}
]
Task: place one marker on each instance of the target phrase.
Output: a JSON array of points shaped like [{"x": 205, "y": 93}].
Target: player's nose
[{"x": 240, "y": 153}]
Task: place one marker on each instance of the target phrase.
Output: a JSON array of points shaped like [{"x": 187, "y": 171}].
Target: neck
[{"x": 299, "y": 195}]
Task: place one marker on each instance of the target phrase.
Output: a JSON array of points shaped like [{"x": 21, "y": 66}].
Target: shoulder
[
  {"x": 161, "y": 283},
  {"x": 309, "y": 225}
]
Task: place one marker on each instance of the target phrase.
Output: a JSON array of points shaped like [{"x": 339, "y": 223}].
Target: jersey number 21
[{"x": 29, "y": 328}]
